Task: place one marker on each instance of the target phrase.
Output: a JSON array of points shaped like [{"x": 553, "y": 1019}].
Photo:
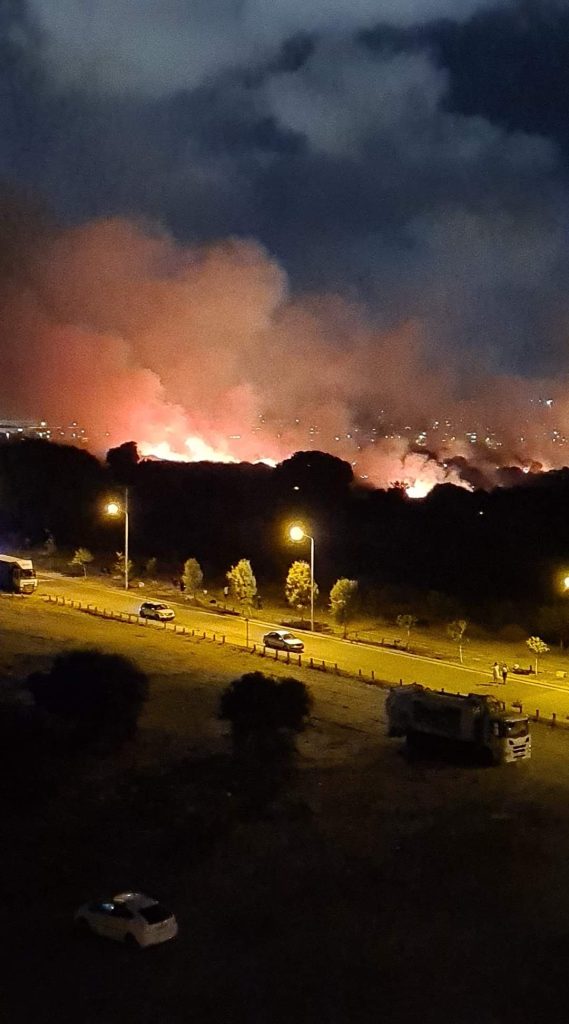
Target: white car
[
  {"x": 282, "y": 640},
  {"x": 156, "y": 610},
  {"x": 128, "y": 917}
]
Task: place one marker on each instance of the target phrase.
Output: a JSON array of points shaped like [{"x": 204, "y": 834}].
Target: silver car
[
  {"x": 156, "y": 610},
  {"x": 282, "y": 640},
  {"x": 129, "y": 917}
]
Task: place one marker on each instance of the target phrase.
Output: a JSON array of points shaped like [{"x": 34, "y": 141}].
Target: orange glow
[
  {"x": 206, "y": 353},
  {"x": 419, "y": 488},
  {"x": 197, "y": 450}
]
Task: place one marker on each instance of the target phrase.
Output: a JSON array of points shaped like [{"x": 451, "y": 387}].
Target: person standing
[
  {"x": 504, "y": 674},
  {"x": 496, "y": 672}
]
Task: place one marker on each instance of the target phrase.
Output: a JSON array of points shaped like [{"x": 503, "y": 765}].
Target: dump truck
[
  {"x": 17, "y": 575},
  {"x": 478, "y": 721}
]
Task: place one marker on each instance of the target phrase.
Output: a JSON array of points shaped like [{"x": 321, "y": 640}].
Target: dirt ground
[{"x": 374, "y": 888}]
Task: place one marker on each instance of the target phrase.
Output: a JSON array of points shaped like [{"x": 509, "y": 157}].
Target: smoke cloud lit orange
[{"x": 204, "y": 354}]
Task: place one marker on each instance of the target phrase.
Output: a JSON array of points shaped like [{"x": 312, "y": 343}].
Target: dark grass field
[{"x": 374, "y": 888}]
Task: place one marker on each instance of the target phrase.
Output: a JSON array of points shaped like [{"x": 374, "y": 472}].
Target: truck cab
[
  {"x": 17, "y": 575},
  {"x": 510, "y": 738}
]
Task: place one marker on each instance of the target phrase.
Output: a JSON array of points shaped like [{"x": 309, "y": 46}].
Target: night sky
[{"x": 382, "y": 187}]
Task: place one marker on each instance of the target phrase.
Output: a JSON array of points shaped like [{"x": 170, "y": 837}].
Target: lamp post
[
  {"x": 297, "y": 533},
  {"x": 114, "y": 509}
]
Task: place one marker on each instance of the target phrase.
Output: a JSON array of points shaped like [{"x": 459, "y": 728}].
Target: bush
[
  {"x": 96, "y": 697},
  {"x": 265, "y": 714},
  {"x": 257, "y": 703}
]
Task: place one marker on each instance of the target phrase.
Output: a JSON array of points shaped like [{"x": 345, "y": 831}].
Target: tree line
[{"x": 495, "y": 556}]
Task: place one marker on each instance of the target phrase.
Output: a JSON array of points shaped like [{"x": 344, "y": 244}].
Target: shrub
[
  {"x": 257, "y": 703},
  {"x": 97, "y": 697},
  {"x": 265, "y": 715}
]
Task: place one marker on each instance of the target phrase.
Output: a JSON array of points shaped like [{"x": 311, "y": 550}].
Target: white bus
[{"x": 17, "y": 575}]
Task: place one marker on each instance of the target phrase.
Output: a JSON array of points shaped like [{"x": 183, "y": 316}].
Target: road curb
[{"x": 314, "y": 664}]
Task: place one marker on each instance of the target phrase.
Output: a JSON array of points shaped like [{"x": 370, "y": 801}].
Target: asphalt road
[{"x": 547, "y": 696}]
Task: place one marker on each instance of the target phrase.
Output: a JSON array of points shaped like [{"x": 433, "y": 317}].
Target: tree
[
  {"x": 97, "y": 697},
  {"x": 256, "y": 704},
  {"x": 192, "y": 577},
  {"x": 37, "y": 479},
  {"x": 122, "y": 461},
  {"x": 150, "y": 567},
  {"x": 456, "y": 631},
  {"x": 82, "y": 557},
  {"x": 265, "y": 715},
  {"x": 49, "y": 547},
  {"x": 536, "y": 644},
  {"x": 407, "y": 622},
  {"x": 242, "y": 582},
  {"x": 342, "y": 600},
  {"x": 119, "y": 566},
  {"x": 553, "y": 620},
  {"x": 318, "y": 475},
  {"x": 297, "y": 586}
]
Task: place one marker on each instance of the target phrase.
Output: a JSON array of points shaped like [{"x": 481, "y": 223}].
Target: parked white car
[
  {"x": 128, "y": 917},
  {"x": 282, "y": 640},
  {"x": 156, "y": 610}
]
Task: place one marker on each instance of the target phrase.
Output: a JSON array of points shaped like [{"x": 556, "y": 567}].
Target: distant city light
[{"x": 424, "y": 454}]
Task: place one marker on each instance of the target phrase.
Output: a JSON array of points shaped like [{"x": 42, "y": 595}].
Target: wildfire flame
[
  {"x": 419, "y": 488},
  {"x": 197, "y": 450}
]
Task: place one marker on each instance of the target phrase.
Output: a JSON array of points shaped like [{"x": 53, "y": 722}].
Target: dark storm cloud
[
  {"x": 155, "y": 46},
  {"x": 444, "y": 217},
  {"x": 510, "y": 65}
]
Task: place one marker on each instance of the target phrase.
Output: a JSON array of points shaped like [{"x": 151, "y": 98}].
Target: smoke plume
[{"x": 203, "y": 352}]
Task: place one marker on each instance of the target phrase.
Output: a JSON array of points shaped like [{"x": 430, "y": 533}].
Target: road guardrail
[{"x": 259, "y": 649}]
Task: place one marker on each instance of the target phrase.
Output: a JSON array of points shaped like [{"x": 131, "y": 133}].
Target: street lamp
[
  {"x": 297, "y": 533},
  {"x": 115, "y": 509}
]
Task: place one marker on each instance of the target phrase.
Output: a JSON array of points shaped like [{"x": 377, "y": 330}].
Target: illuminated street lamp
[
  {"x": 297, "y": 533},
  {"x": 115, "y": 509}
]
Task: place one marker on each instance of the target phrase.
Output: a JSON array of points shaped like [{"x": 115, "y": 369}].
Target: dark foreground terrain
[{"x": 372, "y": 889}]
